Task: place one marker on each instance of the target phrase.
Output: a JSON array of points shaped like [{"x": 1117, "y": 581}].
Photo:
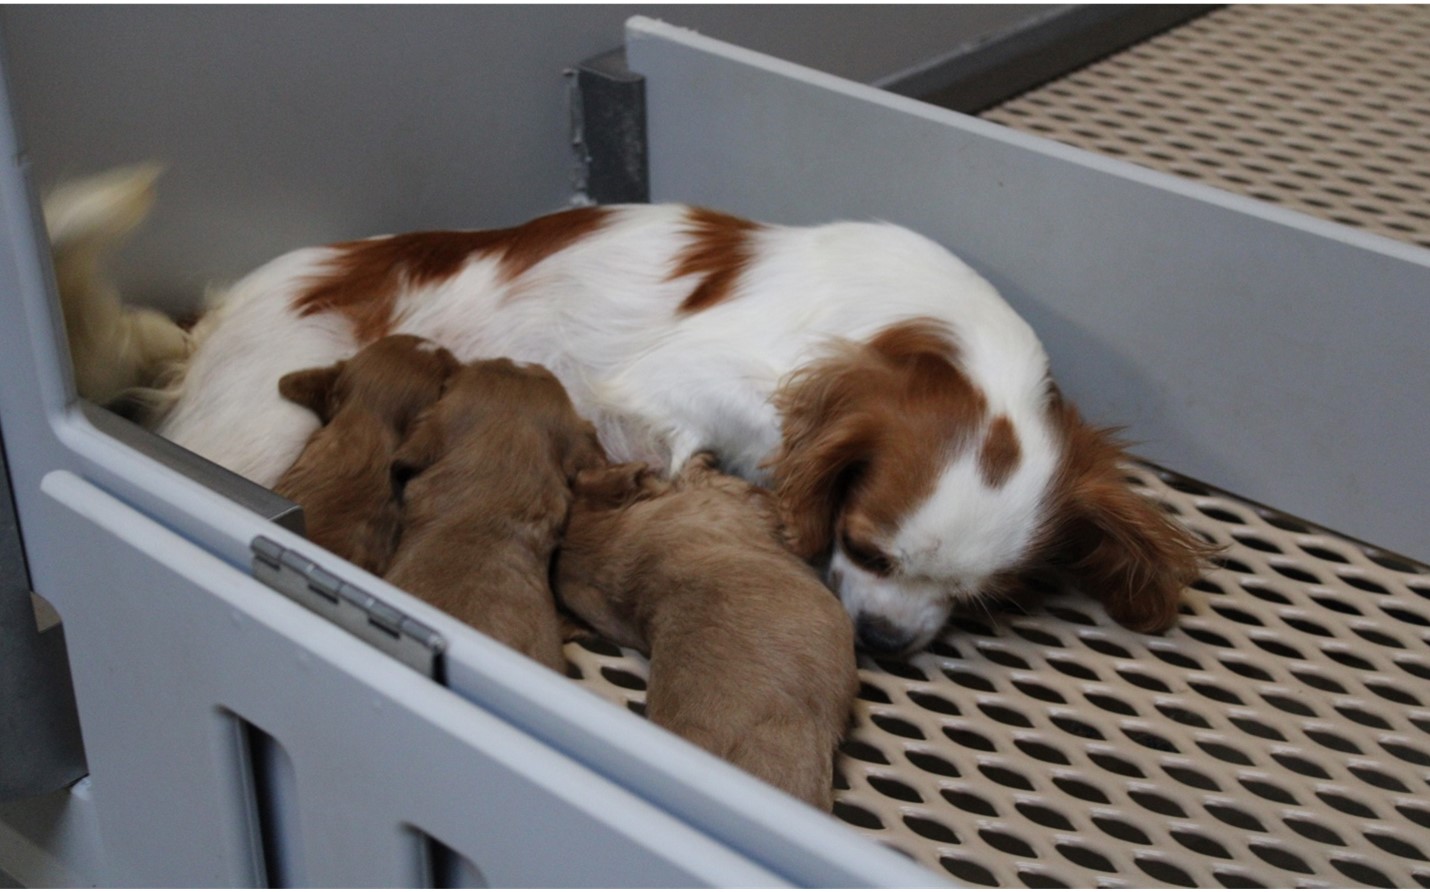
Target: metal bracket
[
  {"x": 608, "y": 131},
  {"x": 374, "y": 621}
]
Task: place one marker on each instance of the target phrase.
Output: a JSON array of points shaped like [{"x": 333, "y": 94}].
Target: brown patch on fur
[
  {"x": 868, "y": 430},
  {"x": 1119, "y": 546},
  {"x": 487, "y": 471},
  {"x": 750, "y": 656},
  {"x": 366, "y": 404},
  {"x": 999, "y": 456},
  {"x": 365, "y": 278},
  {"x": 719, "y": 250}
]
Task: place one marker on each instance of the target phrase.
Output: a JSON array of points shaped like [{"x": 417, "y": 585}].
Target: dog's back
[
  {"x": 752, "y": 657},
  {"x": 343, "y": 476},
  {"x": 487, "y": 472}
]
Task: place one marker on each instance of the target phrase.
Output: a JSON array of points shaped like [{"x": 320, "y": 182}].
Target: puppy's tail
[{"x": 115, "y": 348}]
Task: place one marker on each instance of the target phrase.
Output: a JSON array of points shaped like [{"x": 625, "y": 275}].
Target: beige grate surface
[
  {"x": 1279, "y": 737},
  {"x": 1324, "y": 109}
]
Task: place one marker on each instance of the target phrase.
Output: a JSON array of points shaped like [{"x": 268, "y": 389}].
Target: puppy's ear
[
  {"x": 419, "y": 450},
  {"x": 826, "y": 441},
  {"x": 582, "y": 451},
  {"x": 1118, "y": 545},
  {"x": 312, "y": 389},
  {"x": 447, "y": 362},
  {"x": 615, "y": 486}
]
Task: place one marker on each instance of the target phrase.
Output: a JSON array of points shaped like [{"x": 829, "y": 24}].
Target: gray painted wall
[{"x": 286, "y": 126}]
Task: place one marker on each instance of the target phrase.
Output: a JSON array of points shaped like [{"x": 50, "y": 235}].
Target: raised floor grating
[
  {"x": 1279, "y": 737},
  {"x": 1321, "y": 108}
]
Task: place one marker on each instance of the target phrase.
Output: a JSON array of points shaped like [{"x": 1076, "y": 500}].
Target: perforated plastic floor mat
[
  {"x": 1279, "y": 737},
  {"x": 1324, "y": 109}
]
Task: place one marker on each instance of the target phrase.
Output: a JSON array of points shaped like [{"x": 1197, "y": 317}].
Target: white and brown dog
[{"x": 902, "y": 412}]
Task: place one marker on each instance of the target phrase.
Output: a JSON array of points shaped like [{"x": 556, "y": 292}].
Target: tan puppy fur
[
  {"x": 752, "y": 657},
  {"x": 343, "y": 478},
  {"x": 488, "y": 472},
  {"x": 115, "y": 348}
]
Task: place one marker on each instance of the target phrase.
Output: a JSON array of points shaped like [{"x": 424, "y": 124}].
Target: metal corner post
[{"x": 608, "y": 123}]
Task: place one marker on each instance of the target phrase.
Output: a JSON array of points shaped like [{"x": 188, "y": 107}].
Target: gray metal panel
[
  {"x": 39, "y": 728},
  {"x": 377, "y": 750},
  {"x": 1274, "y": 355}
]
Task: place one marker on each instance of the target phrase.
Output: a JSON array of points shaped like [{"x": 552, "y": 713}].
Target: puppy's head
[
  {"x": 394, "y": 377},
  {"x": 925, "y": 494},
  {"x": 498, "y": 401}
]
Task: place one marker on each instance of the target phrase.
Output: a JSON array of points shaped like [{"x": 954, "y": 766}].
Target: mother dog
[{"x": 901, "y": 411}]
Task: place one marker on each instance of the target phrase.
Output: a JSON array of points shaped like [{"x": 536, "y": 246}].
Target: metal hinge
[{"x": 374, "y": 621}]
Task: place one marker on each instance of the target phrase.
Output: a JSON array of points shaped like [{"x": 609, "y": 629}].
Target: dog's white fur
[{"x": 661, "y": 383}]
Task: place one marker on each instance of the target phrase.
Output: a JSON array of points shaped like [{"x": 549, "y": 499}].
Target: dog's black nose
[{"x": 877, "y": 634}]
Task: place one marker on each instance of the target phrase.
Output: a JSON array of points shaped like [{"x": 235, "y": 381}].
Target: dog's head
[
  {"x": 928, "y": 487},
  {"x": 394, "y": 377}
]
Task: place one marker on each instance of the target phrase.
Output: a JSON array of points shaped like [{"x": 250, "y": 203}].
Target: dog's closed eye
[{"x": 866, "y": 556}]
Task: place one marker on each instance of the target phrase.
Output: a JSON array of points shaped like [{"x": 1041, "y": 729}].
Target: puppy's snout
[{"x": 879, "y": 635}]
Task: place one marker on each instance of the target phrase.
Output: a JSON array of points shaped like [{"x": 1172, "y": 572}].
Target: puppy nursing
[
  {"x": 343, "y": 477},
  {"x": 487, "y": 471},
  {"x": 751, "y": 657}
]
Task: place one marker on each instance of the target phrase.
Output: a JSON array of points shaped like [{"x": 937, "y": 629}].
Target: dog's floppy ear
[
  {"x": 312, "y": 389},
  {"x": 1119, "y": 546},
  {"x": 827, "y": 439}
]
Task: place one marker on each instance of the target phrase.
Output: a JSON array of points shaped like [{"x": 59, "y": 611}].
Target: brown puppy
[
  {"x": 752, "y": 657},
  {"x": 343, "y": 477},
  {"x": 488, "y": 471}
]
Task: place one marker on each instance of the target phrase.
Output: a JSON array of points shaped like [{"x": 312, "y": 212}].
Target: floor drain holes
[
  {"x": 970, "y": 739},
  {"x": 859, "y": 817},
  {"x": 934, "y": 703},
  {"x": 1081, "y": 790},
  {"x": 1280, "y": 858},
  {"x": 1215, "y": 692},
  {"x": 1190, "y": 778},
  {"x": 1111, "y": 704},
  {"x": 1157, "y": 803},
  {"x": 1202, "y": 845},
  {"x": 1077, "y": 727},
  {"x": 968, "y": 871},
  {"x": 1042, "y": 752},
  {"x": 897, "y": 726},
  {"x": 931, "y": 830},
  {"x": 1116, "y": 765},
  {"x": 1005, "y": 715},
  {"x": 1363, "y": 873},
  {"x": 1225, "y": 753},
  {"x": 1301, "y": 765},
  {"x": 1086, "y": 858},
  {"x": 1183, "y": 716},
  {"x": 1035, "y": 880},
  {"x": 1269, "y": 791},
  {"x": 1007, "y": 842},
  {"x": 970, "y": 680},
  {"x": 969, "y": 802},
  {"x": 1047, "y": 817},
  {"x": 1123, "y": 831},
  {"x": 895, "y": 789},
  {"x": 932, "y": 764},
  {"x": 1006, "y": 777},
  {"x": 1164, "y": 872},
  {"x": 1347, "y": 805},
  {"x": 1235, "y": 817},
  {"x": 1039, "y": 692},
  {"x": 1395, "y": 846}
]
